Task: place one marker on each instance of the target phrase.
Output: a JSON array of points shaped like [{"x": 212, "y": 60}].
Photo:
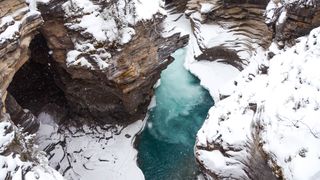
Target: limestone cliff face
[
  {"x": 17, "y": 28},
  {"x": 292, "y": 19},
  {"x": 108, "y": 79},
  {"x": 243, "y": 29},
  {"x": 18, "y": 160},
  {"x": 107, "y": 55},
  {"x": 241, "y": 138}
]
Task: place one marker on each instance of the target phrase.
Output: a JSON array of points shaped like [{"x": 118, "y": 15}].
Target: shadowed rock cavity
[{"x": 33, "y": 87}]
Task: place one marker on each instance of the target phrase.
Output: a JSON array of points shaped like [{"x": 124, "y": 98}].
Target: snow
[
  {"x": 282, "y": 17},
  {"x": 92, "y": 151},
  {"x": 220, "y": 164},
  {"x": 33, "y": 3},
  {"x": 127, "y": 34},
  {"x": 176, "y": 23},
  {"x": 206, "y": 7},
  {"x": 285, "y": 119},
  {"x": 17, "y": 167},
  {"x": 145, "y": 9},
  {"x": 6, "y": 138},
  {"x": 12, "y": 31},
  {"x": 215, "y": 77},
  {"x": 43, "y": 172},
  {"x": 79, "y": 7},
  {"x": 276, "y": 11},
  {"x": 97, "y": 26},
  {"x": 292, "y": 128}
]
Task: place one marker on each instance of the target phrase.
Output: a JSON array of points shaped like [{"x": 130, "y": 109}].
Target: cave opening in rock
[{"x": 34, "y": 85}]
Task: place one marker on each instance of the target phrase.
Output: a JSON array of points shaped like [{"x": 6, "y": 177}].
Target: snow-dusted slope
[
  {"x": 18, "y": 158},
  {"x": 274, "y": 116},
  {"x": 90, "y": 151}
]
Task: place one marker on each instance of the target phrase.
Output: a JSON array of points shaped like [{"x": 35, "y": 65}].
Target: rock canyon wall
[
  {"x": 246, "y": 135},
  {"x": 106, "y": 57}
]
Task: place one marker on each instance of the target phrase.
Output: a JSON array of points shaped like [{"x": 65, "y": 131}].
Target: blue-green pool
[{"x": 166, "y": 145}]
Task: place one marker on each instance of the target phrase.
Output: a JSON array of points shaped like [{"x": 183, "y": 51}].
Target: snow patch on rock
[{"x": 110, "y": 25}]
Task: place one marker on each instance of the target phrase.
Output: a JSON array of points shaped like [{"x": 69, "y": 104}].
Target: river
[{"x": 166, "y": 144}]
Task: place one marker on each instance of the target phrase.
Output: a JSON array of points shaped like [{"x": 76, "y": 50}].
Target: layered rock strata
[
  {"x": 18, "y": 26},
  {"x": 292, "y": 19},
  {"x": 240, "y": 30},
  {"x": 273, "y": 107},
  {"x": 107, "y": 73},
  {"x": 18, "y": 159},
  {"x": 106, "y": 56}
]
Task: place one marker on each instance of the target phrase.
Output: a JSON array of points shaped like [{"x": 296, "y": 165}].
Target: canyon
[{"x": 78, "y": 79}]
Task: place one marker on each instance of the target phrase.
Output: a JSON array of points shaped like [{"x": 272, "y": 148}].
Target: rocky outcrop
[
  {"x": 291, "y": 19},
  {"x": 241, "y": 26},
  {"x": 238, "y": 139},
  {"x": 18, "y": 25},
  {"x": 105, "y": 58},
  {"x": 267, "y": 128},
  {"x": 18, "y": 157},
  {"x": 109, "y": 76},
  {"x": 18, "y": 160},
  {"x": 20, "y": 116}
]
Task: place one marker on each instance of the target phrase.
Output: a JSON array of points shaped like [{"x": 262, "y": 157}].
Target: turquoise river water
[{"x": 166, "y": 144}]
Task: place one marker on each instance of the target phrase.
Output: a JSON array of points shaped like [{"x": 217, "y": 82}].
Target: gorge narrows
[{"x": 165, "y": 149}]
